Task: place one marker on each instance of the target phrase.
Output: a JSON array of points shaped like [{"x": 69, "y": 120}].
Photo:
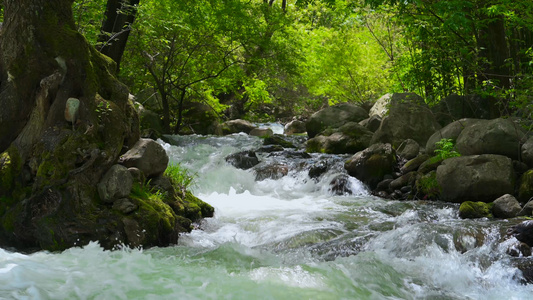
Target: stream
[{"x": 287, "y": 238}]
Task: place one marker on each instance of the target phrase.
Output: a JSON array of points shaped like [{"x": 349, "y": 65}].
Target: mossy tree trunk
[{"x": 49, "y": 166}]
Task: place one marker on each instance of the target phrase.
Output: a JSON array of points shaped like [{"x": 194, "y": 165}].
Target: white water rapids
[{"x": 289, "y": 238}]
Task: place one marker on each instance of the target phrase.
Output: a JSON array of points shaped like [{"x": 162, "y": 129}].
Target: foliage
[
  {"x": 145, "y": 191},
  {"x": 180, "y": 176},
  {"x": 446, "y": 149},
  {"x": 258, "y": 60},
  {"x": 428, "y": 186},
  {"x": 88, "y": 16}
]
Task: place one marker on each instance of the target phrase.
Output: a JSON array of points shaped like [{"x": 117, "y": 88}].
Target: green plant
[
  {"x": 428, "y": 186},
  {"x": 103, "y": 109},
  {"x": 446, "y": 149},
  {"x": 180, "y": 176}
]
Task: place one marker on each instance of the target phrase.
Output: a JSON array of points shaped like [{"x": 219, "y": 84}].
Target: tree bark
[
  {"x": 119, "y": 16},
  {"x": 49, "y": 167}
]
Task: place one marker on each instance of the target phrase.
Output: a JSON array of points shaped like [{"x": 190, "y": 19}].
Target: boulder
[
  {"x": 409, "y": 117},
  {"x": 199, "y": 118},
  {"x": 349, "y": 138},
  {"x": 125, "y": 206},
  {"x": 237, "y": 126},
  {"x": 474, "y": 210},
  {"x": 381, "y": 107},
  {"x": 506, "y": 207},
  {"x": 261, "y": 132},
  {"x": 455, "y": 107},
  {"x": 450, "y": 131},
  {"x": 475, "y": 178},
  {"x": 318, "y": 169},
  {"x": 527, "y": 152},
  {"x": 372, "y": 123},
  {"x": 340, "y": 185},
  {"x": 273, "y": 171},
  {"x": 372, "y": 164},
  {"x": 527, "y": 209},
  {"x": 148, "y": 156},
  {"x": 498, "y": 136},
  {"x": 408, "y": 149},
  {"x": 294, "y": 127},
  {"x": 523, "y": 232},
  {"x": 150, "y": 123},
  {"x": 525, "y": 189},
  {"x": 243, "y": 160},
  {"x": 414, "y": 164},
  {"x": 402, "y": 181},
  {"x": 115, "y": 184},
  {"x": 334, "y": 117},
  {"x": 278, "y": 139}
]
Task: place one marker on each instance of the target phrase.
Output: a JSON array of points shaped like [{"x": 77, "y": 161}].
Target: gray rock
[
  {"x": 525, "y": 189},
  {"x": 334, "y": 117},
  {"x": 72, "y": 107},
  {"x": 135, "y": 234},
  {"x": 506, "y": 207},
  {"x": 498, "y": 136},
  {"x": 273, "y": 171},
  {"x": 475, "y": 178},
  {"x": 125, "y": 206},
  {"x": 150, "y": 122},
  {"x": 414, "y": 164},
  {"x": 381, "y": 107},
  {"x": 148, "y": 156},
  {"x": 261, "y": 132},
  {"x": 408, "y": 149},
  {"x": 236, "y": 126},
  {"x": 404, "y": 180},
  {"x": 116, "y": 183},
  {"x": 527, "y": 152},
  {"x": 340, "y": 185},
  {"x": 294, "y": 127},
  {"x": 384, "y": 185},
  {"x": 137, "y": 175},
  {"x": 450, "y": 131},
  {"x": 409, "y": 117},
  {"x": 349, "y": 138},
  {"x": 527, "y": 209},
  {"x": 243, "y": 160},
  {"x": 372, "y": 164},
  {"x": 372, "y": 123}
]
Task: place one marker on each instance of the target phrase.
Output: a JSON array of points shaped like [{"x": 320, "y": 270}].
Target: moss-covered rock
[
  {"x": 525, "y": 191},
  {"x": 474, "y": 210},
  {"x": 427, "y": 186},
  {"x": 372, "y": 164},
  {"x": 349, "y": 138},
  {"x": 10, "y": 168}
]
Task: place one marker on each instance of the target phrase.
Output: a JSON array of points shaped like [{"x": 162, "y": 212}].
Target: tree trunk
[
  {"x": 495, "y": 50},
  {"x": 119, "y": 16},
  {"x": 50, "y": 167}
]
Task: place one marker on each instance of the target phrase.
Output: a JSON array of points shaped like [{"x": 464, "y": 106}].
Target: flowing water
[{"x": 291, "y": 238}]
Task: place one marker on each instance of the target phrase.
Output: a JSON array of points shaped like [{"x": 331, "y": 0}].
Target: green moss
[
  {"x": 525, "y": 191},
  {"x": 428, "y": 186},
  {"x": 10, "y": 167},
  {"x": 378, "y": 165},
  {"x": 473, "y": 210},
  {"x": 195, "y": 209},
  {"x": 153, "y": 214}
]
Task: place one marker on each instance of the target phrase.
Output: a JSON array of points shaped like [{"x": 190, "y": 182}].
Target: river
[{"x": 290, "y": 238}]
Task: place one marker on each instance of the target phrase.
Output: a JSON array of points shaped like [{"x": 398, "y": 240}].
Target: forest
[{"x": 274, "y": 60}]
